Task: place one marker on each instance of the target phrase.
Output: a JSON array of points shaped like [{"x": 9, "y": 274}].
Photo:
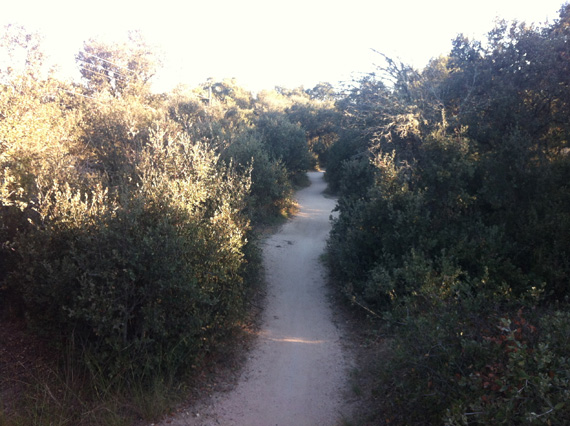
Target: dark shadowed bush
[
  {"x": 456, "y": 232},
  {"x": 284, "y": 141},
  {"x": 271, "y": 192}
]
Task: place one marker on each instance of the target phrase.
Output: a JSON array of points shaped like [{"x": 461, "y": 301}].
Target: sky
[{"x": 269, "y": 43}]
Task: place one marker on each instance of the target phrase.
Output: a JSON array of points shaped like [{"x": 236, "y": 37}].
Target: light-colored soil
[{"x": 297, "y": 372}]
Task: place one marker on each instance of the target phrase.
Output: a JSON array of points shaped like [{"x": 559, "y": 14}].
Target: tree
[
  {"x": 22, "y": 54},
  {"x": 118, "y": 67},
  {"x": 323, "y": 92}
]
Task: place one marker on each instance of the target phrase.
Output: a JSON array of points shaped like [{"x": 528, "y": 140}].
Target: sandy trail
[{"x": 297, "y": 371}]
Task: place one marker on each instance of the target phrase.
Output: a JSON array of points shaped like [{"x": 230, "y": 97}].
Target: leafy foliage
[
  {"x": 453, "y": 214},
  {"x": 284, "y": 141},
  {"x": 271, "y": 190},
  {"x": 125, "y": 216}
]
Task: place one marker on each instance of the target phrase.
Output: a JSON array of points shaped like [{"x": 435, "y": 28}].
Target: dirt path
[{"x": 297, "y": 372}]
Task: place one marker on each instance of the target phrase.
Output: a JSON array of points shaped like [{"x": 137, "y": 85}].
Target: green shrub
[
  {"x": 348, "y": 146},
  {"x": 271, "y": 192},
  {"x": 462, "y": 362},
  {"x": 460, "y": 219},
  {"x": 284, "y": 141},
  {"x": 146, "y": 280},
  {"x": 39, "y": 144},
  {"x": 525, "y": 379}
]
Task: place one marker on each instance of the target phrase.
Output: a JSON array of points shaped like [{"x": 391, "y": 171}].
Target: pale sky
[{"x": 273, "y": 42}]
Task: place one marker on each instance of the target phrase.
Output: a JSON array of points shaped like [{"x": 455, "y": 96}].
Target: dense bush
[
  {"x": 348, "y": 147},
  {"x": 39, "y": 142},
  {"x": 284, "y": 141},
  {"x": 453, "y": 227},
  {"x": 271, "y": 191},
  {"x": 145, "y": 280},
  {"x": 457, "y": 365},
  {"x": 125, "y": 216}
]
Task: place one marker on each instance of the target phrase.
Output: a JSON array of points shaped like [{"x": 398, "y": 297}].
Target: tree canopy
[{"x": 118, "y": 67}]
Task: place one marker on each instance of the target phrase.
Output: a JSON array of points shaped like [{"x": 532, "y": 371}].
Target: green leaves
[
  {"x": 133, "y": 275},
  {"x": 452, "y": 210}
]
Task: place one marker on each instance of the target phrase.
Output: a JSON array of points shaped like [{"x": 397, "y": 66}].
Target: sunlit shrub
[
  {"x": 145, "y": 279},
  {"x": 39, "y": 144}
]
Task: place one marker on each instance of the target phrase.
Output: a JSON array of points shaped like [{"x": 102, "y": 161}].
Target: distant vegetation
[{"x": 454, "y": 227}]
